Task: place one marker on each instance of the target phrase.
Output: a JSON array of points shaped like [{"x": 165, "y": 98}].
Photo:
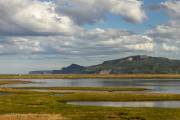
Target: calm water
[
  {"x": 159, "y": 104},
  {"x": 157, "y": 85}
]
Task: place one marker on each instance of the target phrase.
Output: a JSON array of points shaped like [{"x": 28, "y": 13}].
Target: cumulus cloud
[
  {"x": 144, "y": 43},
  {"x": 131, "y": 10},
  {"x": 95, "y": 42},
  {"x": 92, "y": 11},
  {"x": 54, "y": 28},
  {"x": 167, "y": 35},
  {"x": 33, "y": 17},
  {"x": 19, "y": 45},
  {"x": 169, "y": 48},
  {"x": 30, "y": 27},
  {"x": 173, "y": 7},
  {"x": 62, "y": 17}
]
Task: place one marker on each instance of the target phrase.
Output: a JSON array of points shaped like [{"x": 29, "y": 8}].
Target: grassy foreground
[
  {"x": 77, "y": 76},
  {"x": 22, "y": 102}
]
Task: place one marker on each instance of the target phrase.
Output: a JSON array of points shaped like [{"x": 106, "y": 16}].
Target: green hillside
[{"x": 132, "y": 64}]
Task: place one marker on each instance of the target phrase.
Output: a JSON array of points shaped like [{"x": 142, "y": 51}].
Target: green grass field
[
  {"x": 77, "y": 76},
  {"x": 25, "y": 104},
  {"x": 4, "y": 82},
  {"x": 28, "y": 102}
]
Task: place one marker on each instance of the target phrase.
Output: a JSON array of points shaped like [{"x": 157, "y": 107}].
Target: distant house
[{"x": 105, "y": 72}]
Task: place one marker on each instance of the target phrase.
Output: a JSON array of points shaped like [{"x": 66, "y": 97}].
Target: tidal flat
[{"x": 24, "y": 102}]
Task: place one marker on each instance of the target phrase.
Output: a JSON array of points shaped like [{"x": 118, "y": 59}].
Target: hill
[{"x": 133, "y": 64}]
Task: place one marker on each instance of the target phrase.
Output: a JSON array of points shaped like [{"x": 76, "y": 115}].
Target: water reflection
[
  {"x": 160, "y": 104},
  {"x": 157, "y": 85}
]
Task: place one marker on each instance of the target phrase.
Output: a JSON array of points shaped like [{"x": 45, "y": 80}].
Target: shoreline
[{"x": 90, "y": 76}]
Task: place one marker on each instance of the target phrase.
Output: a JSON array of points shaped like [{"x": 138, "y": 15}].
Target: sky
[{"x": 51, "y": 34}]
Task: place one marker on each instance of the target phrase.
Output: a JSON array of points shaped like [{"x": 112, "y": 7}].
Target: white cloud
[
  {"x": 167, "y": 36},
  {"x": 142, "y": 46},
  {"x": 145, "y": 43},
  {"x": 95, "y": 42},
  {"x": 20, "y": 45},
  {"x": 91, "y": 11},
  {"x": 173, "y": 7},
  {"x": 62, "y": 17},
  {"x": 169, "y": 48},
  {"x": 57, "y": 25},
  {"x": 131, "y": 10},
  {"x": 33, "y": 17}
]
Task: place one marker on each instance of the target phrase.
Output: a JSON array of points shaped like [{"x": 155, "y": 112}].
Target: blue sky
[
  {"x": 45, "y": 35},
  {"x": 154, "y": 18}
]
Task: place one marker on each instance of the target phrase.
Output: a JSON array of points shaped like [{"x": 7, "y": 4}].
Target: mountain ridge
[{"x": 132, "y": 64}]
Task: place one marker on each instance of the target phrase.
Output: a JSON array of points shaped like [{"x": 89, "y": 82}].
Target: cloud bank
[{"x": 34, "y": 27}]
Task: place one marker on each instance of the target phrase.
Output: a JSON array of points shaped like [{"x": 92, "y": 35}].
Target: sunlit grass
[
  {"x": 77, "y": 76},
  {"x": 22, "y": 103},
  {"x": 3, "y": 82},
  {"x": 31, "y": 117}
]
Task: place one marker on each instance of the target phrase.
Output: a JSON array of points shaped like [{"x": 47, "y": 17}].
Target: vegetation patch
[
  {"x": 23, "y": 102},
  {"x": 86, "y": 76},
  {"x": 5, "y": 82}
]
